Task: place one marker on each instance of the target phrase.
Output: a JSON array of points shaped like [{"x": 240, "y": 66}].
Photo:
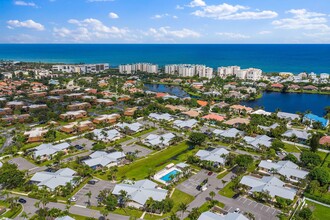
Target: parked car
[
  {"x": 21, "y": 200},
  {"x": 235, "y": 196},
  {"x": 73, "y": 199},
  {"x": 92, "y": 182},
  {"x": 237, "y": 210},
  {"x": 210, "y": 173},
  {"x": 199, "y": 187}
]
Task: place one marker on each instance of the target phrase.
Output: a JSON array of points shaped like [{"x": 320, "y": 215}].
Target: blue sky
[{"x": 164, "y": 21}]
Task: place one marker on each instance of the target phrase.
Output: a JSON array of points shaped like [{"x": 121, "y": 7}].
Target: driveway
[
  {"x": 189, "y": 186},
  {"x": 87, "y": 144},
  {"x": 81, "y": 197},
  {"x": 22, "y": 163}
]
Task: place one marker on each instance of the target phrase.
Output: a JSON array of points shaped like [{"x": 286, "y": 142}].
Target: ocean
[{"x": 294, "y": 58}]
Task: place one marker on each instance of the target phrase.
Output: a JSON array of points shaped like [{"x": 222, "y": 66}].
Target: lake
[
  {"x": 288, "y": 102},
  {"x": 292, "y": 102}
]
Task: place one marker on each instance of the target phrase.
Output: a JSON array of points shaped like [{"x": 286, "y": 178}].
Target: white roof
[
  {"x": 133, "y": 127},
  {"x": 53, "y": 180},
  {"x": 260, "y": 140},
  {"x": 230, "y": 216},
  {"x": 64, "y": 218},
  {"x": 158, "y": 117},
  {"x": 50, "y": 149},
  {"x": 109, "y": 134},
  {"x": 261, "y": 112},
  {"x": 298, "y": 133},
  {"x": 140, "y": 191},
  {"x": 103, "y": 158},
  {"x": 268, "y": 128},
  {"x": 215, "y": 155},
  {"x": 270, "y": 184},
  {"x": 155, "y": 139},
  {"x": 288, "y": 116},
  {"x": 230, "y": 133},
  {"x": 185, "y": 124},
  {"x": 285, "y": 168}
]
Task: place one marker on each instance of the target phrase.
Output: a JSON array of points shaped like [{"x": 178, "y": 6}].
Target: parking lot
[
  {"x": 254, "y": 207},
  {"x": 142, "y": 151},
  {"x": 87, "y": 144},
  {"x": 81, "y": 197},
  {"x": 189, "y": 186},
  {"x": 22, "y": 164}
]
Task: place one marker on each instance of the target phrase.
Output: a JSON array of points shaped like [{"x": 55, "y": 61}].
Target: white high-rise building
[
  {"x": 81, "y": 68},
  {"x": 223, "y": 72},
  {"x": 186, "y": 70},
  {"x": 208, "y": 73},
  {"x": 324, "y": 76},
  {"x": 189, "y": 70},
  {"x": 138, "y": 67},
  {"x": 253, "y": 74}
]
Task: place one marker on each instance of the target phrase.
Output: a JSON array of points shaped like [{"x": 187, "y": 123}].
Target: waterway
[{"x": 270, "y": 101}]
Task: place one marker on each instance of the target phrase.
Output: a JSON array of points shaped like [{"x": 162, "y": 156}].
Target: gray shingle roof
[
  {"x": 285, "y": 168},
  {"x": 103, "y": 159},
  {"x": 215, "y": 155},
  {"x": 230, "y": 216}
]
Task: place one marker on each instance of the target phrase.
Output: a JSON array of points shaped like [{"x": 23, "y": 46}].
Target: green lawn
[
  {"x": 320, "y": 212},
  {"x": 222, "y": 175},
  {"x": 291, "y": 148},
  {"x": 227, "y": 191},
  {"x": 141, "y": 168},
  {"x": 128, "y": 212}
]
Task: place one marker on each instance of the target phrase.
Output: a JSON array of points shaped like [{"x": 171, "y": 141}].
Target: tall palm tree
[
  {"x": 24, "y": 215},
  {"x": 183, "y": 208},
  {"x": 89, "y": 196},
  {"x": 212, "y": 194}
]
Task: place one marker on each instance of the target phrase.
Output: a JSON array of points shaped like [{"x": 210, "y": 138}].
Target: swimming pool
[{"x": 167, "y": 178}]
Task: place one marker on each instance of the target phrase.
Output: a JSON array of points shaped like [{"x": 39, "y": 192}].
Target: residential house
[
  {"x": 311, "y": 118},
  {"x": 261, "y": 112},
  {"x": 288, "y": 169},
  {"x": 130, "y": 111},
  {"x": 100, "y": 159},
  {"x": 268, "y": 184},
  {"x": 191, "y": 113},
  {"x": 130, "y": 128},
  {"x": 6, "y": 111},
  {"x": 258, "y": 141},
  {"x": 15, "y": 105},
  {"x": 268, "y": 128},
  {"x": 188, "y": 124},
  {"x": 160, "y": 117},
  {"x": 35, "y": 135},
  {"x": 215, "y": 216},
  {"x": 241, "y": 109},
  {"x": 79, "y": 106},
  {"x": 109, "y": 119},
  {"x": 73, "y": 115},
  {"x": 301, "y": 135},
  {"x": 228, "y": 134},
  {"x": 106, "y": 135},
  {"x": 46, "y": 151},
  {"x": 217, "y": 156},
  {"x": 52, "y": 180},
  {"x": 159, "y": 141},
  {"x": 140, "y": 191},
  {"x": 214, "y": 117},
  {"x": 325, "y": 140},
  {"x": 80, "y": 126},
  {"x": 104, "y": 102},
  {"x": 287, "y": 116},
  {"x": 237, "y": 121}
]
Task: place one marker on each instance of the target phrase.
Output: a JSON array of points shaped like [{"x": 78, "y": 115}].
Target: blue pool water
[{"x": 167, "y": 177}]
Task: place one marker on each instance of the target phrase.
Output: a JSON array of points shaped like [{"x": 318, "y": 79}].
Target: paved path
[
  {"x": 260, "y": 211},
  {"x": 304, "y": 146},
  {"x": 320, "y": 203},
  {"x": 30, "y": 209}
]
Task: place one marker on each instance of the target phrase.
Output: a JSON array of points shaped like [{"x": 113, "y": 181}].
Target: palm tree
[
  {"x": 124, "y": 197},
  {"x": 194, "y": 214},
  {"x": 183, "y": 208},
  {"x": 104, "y": 213},
  {"x": 273, "y": 170},
  {"x": 212, "y": 194},
  {"x": 89, "y": 196},
  {"x": 24, "y": 215}
]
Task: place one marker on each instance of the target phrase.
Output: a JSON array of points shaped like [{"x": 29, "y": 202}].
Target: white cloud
[
  {"x": 27, "y": 24},
  {"x": 165, "y": 33},
  {"x": 264, "y": 32},
  {"x": 113, "y": 15},
  {"x": 159, "y": 16},
  {"x": 232, "y": 12},
  {"x": 196, "y": 3},
  {"x": 303, "y": 19},
  {"x": 23, "y": 3},
  {"x": 175, "y": 17},
  {"x": 229, "y": 35},
  {"x": 179, "y": 7},
  {"x": 89, "y": 29}
]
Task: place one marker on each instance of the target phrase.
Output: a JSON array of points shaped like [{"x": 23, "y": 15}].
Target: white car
[
  {"x": 237, "y": 210},
  {"x": 73, "y": 199}
]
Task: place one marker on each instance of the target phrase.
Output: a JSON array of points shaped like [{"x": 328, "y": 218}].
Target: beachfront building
[
  {"x": 249, "y": 74},
  {"x": 268, "y": 184},
  {"x": 224, "y": 72},
  {"x": 288, "y": 169},
  {"x": 159, "y": 141},
  {"x": 139, "y": 192},
  {"x": 138, "y": 67},
  {"x": 217, "y": 156},
  {"x": 216, "y": 216},
  {"x": 311, "y": 118},
  {"x": 189, "y": 70},
  {"x": 100, "y": 159},
  {"x": 47, "y": 151},
  {"x": 81, "y": 68},
  {"x": 52, "y": 180}
]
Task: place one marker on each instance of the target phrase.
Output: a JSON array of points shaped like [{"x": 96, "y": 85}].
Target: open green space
[
  {"x": 227, "y": 191},
  {"x": 320, "y": 212},
  {"x": 144, "y": 132},
  {"x": 291, "y": 148},
  {"x": 141, "y": 169}
]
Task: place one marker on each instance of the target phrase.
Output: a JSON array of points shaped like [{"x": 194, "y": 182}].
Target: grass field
[
  {"x": 140, "y": 169},
  {"x": 320, "y": 212},
  {"x": 227, "y": 191},
  {"x": 291, "y": 148}
]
